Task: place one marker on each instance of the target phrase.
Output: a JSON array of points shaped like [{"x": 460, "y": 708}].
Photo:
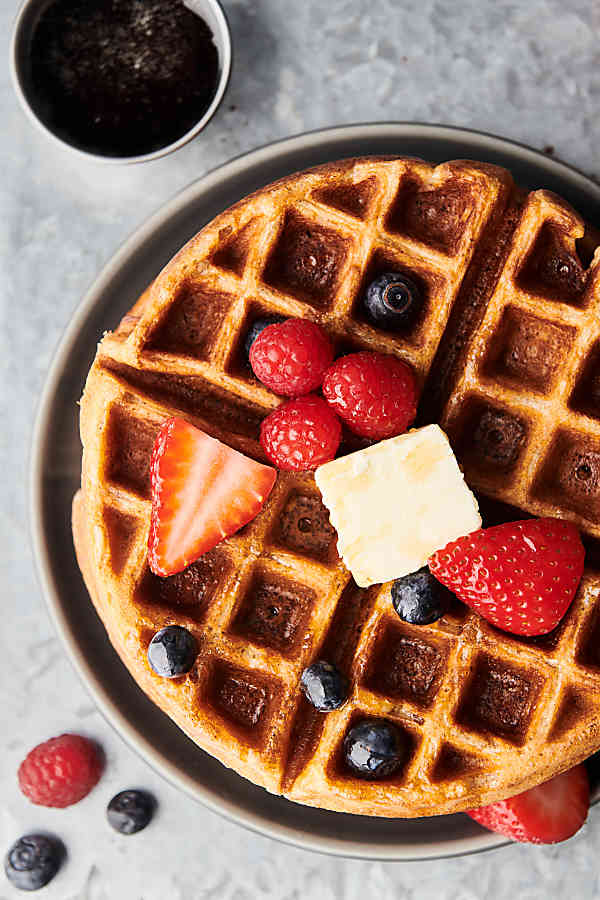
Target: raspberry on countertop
[{"x": 61, "y": 771}]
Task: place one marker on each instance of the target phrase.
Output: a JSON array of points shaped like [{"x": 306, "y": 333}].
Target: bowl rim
[
  {"x": 230, "y": 810},
  {"x": 225, "y": 49}
]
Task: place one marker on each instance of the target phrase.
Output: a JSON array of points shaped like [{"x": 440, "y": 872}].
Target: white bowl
[{"x": 25, "y": 23}]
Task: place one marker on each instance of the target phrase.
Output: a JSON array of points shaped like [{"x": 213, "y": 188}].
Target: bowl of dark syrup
[{"x": 121, "y": 81}]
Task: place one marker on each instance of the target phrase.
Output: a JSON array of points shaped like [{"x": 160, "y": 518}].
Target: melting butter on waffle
[{"x": 396, "y": 503}]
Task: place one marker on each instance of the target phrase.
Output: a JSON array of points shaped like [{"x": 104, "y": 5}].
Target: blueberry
[
  {"x": 324, "y": 686},
  {"x": 374, "y": 748},
  {"x": 130, "y": 811},
  {"x": 392, "y": 300},
  {"x": 172, "y": 651},
  {"x": 419, "y": 598},
  {"x": 33, "y": 861},
  {"x": 255, "y": 329}
]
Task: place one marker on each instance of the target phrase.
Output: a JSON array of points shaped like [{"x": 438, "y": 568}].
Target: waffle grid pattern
[
  {"x": 519, "y": 403},
  {"x": 477, "y": 707}
]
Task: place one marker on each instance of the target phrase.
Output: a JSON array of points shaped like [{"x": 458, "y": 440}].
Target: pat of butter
[{"x": 396, "y": 503}]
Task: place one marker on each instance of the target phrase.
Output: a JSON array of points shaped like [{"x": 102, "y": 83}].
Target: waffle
[{"x": 507, "y": 352}]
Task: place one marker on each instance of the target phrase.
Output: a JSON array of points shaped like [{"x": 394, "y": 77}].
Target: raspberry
[
  {"x": 60, "y": 771},
  {"x": 301, "y": 434},
  {"x": 375, "y": 394},
  {"x": 291, "y": 357}
]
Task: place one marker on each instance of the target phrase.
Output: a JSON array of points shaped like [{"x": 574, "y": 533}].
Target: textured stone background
[{"x": 529, "y": 70}]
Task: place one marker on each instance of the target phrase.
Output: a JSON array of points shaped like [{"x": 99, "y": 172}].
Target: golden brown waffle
[{"x": 507, "y": 351}]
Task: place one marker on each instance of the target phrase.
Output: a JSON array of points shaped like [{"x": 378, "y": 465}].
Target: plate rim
[{"x": 237, "y": 813}]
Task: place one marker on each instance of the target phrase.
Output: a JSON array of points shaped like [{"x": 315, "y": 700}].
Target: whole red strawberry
[
  {"x": 60, "y": 771},
  {"x": 375, "y": 394},
  {"x": 301, "y": 434},
  {"x": 546, "y": 814},
  {"x": 291, "y": 357},
  {"x": 520, "y": 576}
]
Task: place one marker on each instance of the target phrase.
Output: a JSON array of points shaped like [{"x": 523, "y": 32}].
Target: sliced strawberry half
[
  {"x": 520, "y": 576},
  {"x": 202, "y": 492},
  {"x": 547, "y": 814}
]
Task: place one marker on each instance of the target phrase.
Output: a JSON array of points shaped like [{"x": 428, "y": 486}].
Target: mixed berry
[
  {"x": 373, "y": 749},
  {"x": 58, "y": 773},
  {"x": 374, "y": 394}
]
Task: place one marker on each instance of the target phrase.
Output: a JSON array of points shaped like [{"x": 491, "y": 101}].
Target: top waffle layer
[{"x": 506, "y": 349}]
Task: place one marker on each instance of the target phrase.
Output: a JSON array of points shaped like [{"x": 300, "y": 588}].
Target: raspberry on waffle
[{"x": 505, "y": 349}]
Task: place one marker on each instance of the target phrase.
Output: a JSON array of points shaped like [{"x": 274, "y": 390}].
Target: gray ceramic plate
[{"x": 55, "y": 472}]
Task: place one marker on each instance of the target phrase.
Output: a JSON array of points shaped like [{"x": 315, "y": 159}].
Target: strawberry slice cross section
[
  {"x": 520, "y": 576},
  {"x": 202, "y": 492}
]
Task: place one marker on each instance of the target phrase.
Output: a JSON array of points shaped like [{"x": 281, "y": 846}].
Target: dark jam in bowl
[{"x": 122, "y": 77}]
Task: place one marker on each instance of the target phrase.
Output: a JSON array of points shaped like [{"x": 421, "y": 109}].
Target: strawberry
[
  {"x": 202, "y": 492},
  {"x": 546, "y": 814},
  {"x": 520, "y": 576}
]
